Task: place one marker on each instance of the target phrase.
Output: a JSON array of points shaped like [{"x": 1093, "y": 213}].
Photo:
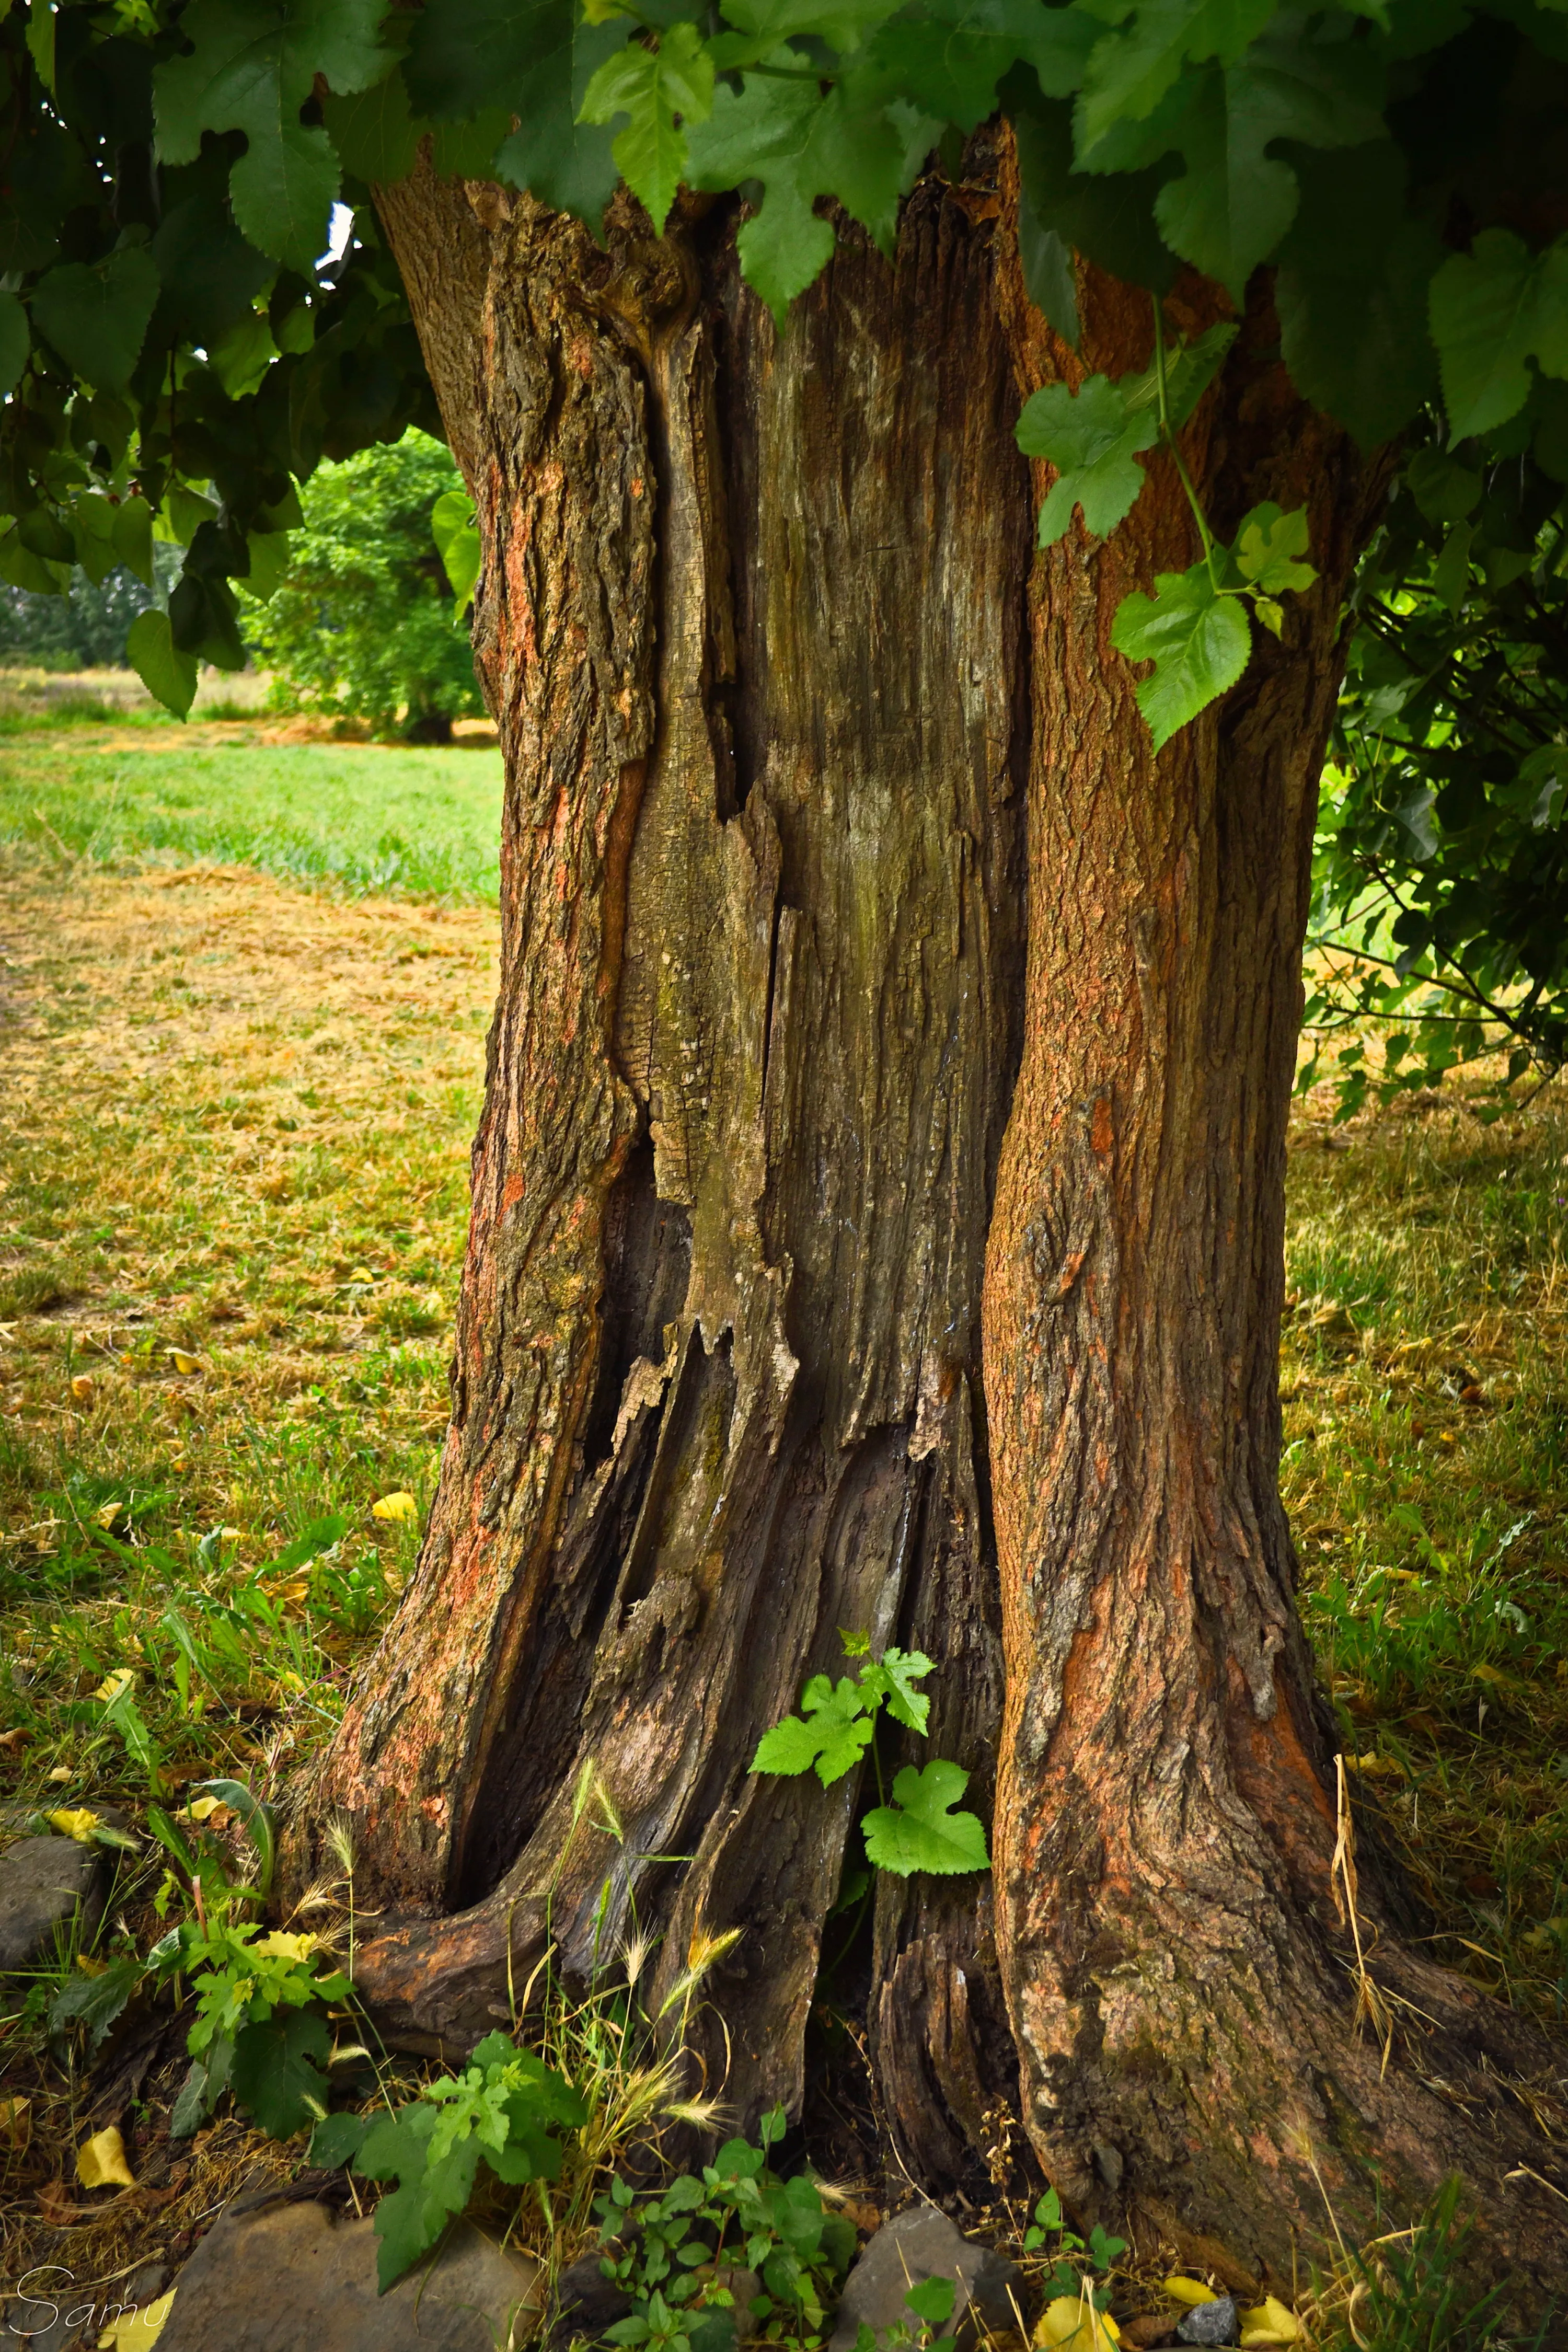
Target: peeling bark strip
[
  {"x": 717, "y": 1390},
  {"x": 777, "y": 680}
]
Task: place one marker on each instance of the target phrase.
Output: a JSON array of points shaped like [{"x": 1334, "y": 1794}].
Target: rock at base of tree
[
  {"x": 923, "y": 2243},
  {"x": 289, "y": 2277},
  {"x": 1211, "y": 2323},
  {"x": 586, "y": 2302},
  {"x": 42, "y": 1881}
]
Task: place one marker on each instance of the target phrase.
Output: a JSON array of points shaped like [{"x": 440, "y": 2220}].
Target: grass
[
  {"x": 75, "y": 790},
  {"x": 241, "y": 1078}
]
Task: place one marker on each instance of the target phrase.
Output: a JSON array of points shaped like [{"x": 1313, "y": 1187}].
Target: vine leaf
[
  {"x": 96, "y": 315},
  {"x": 834, "y": 1741},
  {"x": 661, "y": 89},
  {"x": 1268, "y": 547},
  {"x": 252, "y": 66},
  {"x": 920, "y": 1830},
  {"x": 1197, "y": 639},
  {"x": 1093, "y": 437},
  {"x": 1493, "y": 310}
]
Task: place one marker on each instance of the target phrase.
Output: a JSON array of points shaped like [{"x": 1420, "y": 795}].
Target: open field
[{"x": 240, "y": 1067}]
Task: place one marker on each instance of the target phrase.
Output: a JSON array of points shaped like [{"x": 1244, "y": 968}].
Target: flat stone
[
  {"x": 586, "y": 2302},
  {"x": 291, "y": 2277},
  {"x": 42, "y": 1881},
  {"x": 923, "y": 2243},
  {"x": 1211, "y": 2323}
]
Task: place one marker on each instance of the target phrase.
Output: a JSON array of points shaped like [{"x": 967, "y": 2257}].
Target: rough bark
[
  {"x": 1175, "y": 1955},
  {"x": 795, "y": 729},
  {"x": 751, "y": 626}
]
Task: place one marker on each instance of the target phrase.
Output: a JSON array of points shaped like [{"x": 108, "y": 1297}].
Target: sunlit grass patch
[{"x": 359, "y": 817}]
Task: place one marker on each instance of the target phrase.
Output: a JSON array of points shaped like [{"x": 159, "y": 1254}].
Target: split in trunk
[{"x": 780, "y": 1094}]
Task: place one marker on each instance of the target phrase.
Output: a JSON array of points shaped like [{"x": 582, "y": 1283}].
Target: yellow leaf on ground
[
  {"x": 14, "y": 2121},
  {"x": 61, "y": 1772},
  {"x": 110, "y": 1688},
  {"x": 182, "y": 1360},
  {"x": 106, "y": 1513},
  {"x": 1374, "y": 1765},
  {"x": 1187, "y": 2290},
  {"x": 135, "y": 2329},
  {"x": 76, "y": 1822},
  {"x": 1071, "y": 2324},
  {"x": 202, "y": 1809},
  {"x": 100, "y": 2161},
  {"x": 395, "y": 1506},
  {"x": 360, "y": 1274},
  {"x": 1268, "y": 2322},
  {"x": 81, "y": 1388}
]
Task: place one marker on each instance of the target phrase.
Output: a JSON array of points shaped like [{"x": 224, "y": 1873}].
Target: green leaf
[
  {"x": 1093, "y": 438},
  {"x": 1109, "y": 218},
  {"x": 1197, "y": 639},
  {"x": 920, "y": 1830},
  {"x": 538, "y": 57},
  {"x": 661, "y": 89},
  {"x": 1049, "y": 279},
  {"x": 1494, "y": 310},
  {"x": 95, "y": 2002},
  {"x": 1131, "y": 71},
  {"x": 96, "y": 314},
  {"x": 252, "y": 65},
  {"x": 92, "y": 520},
  {"x": 1266, "y": 547},
  {"x": 40, "y": 37},
  {"x": 932, "y": 2299},
  {"x": 950, "y": 56},
  {"x": 275, "y": 2073},
  {"x": 891, "y": 1682},
  {"x": 196, "y": 2098},
  {"x": 1190, "y": 370},
  {"x": 843, "y": 24},
  {"x": 268, "y": 552},
  {"x": 211, "y": 275},
  {"x": 780, "y": 130},
  {"x": 168, "y": 675},
  {"x": 13, "y": 343},
  {"x": 1352, "y": 292},
  {"x": 456, "y": 533},
  {"x": 1451, "y": 572},
  {"x": 836, "y": 1737},
  {"x": 258, "y": 1825},
  {"x": 337, "y": 2140},
  {"x": 133, "y": 537},
  {"x": 1232, "y": 206},
  {"x": 375, "y": 130}
]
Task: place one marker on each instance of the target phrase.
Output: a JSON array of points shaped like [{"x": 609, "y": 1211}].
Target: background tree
[
  {"x": 1443, "y": 868},
  {"x": 878, "y": 1204},
  {"x": 363, "y": 624}
]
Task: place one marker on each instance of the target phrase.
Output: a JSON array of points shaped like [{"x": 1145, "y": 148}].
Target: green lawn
[{"x": 360, "y": 817}]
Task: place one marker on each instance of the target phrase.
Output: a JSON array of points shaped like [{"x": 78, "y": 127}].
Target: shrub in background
[{"x": 364, "y": 624}]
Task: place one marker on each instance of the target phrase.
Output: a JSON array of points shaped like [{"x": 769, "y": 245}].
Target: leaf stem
[{"x": 1167, "y": 434}]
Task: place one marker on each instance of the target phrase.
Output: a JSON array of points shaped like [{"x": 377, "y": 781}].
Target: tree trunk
[{"x": 797, "y": 730}]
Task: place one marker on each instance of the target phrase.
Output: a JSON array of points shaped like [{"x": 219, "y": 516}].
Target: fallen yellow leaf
[
  {"x": 61, "y": 1772},
  {"x": 106, "y": 1513},
  {"x": 110, "y": 1688},
  {"x": 136, "y": 2329},
  {"x": 81, "y": 1388},
  {"x": 395, "y": 1506},
  {"x": 362, "y": 1273},
  {"x": 79, "y": 1821},
  {"x": 182, "y": 1360},
  {"x": 14, "y": 2121},
  {"x": 1187, "y": 2290},
  {"x": 1374, "y": 1766},
  {"x": 100, "y": 2161},
  {"x": 1071, "y": 2324},
  {"x": 1268, "y": 2322}
]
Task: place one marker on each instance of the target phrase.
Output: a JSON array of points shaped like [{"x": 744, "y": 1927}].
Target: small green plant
[
  {"x": 838, "y": 1723},
  {"x": 678, "y": 2255},
  {"x": 1070, "y": 2254},
  {"x": 503, "y": 2110}
]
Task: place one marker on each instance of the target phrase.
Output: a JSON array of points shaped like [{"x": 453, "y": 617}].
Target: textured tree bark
[{"x": 796, "y": 729}]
